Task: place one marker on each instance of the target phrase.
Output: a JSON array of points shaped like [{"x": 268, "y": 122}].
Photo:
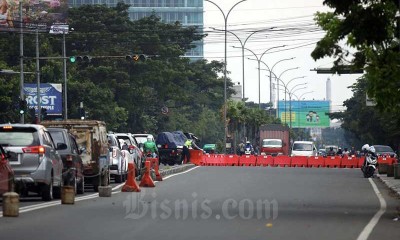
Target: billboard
[
  {"x": 50, "y": 97},
  {"x": 305, "y": 114},
  {"x": 36, "y": 14}
]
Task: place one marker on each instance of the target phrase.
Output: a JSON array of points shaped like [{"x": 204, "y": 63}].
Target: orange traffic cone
[
  {"x": 130, "y": 184},
  {"x": 155, "y": 163},
  {"x": 146, "y": 178}
]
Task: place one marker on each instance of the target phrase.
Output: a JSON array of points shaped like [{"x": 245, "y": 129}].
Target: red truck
[{"x": 274, "y": 139}]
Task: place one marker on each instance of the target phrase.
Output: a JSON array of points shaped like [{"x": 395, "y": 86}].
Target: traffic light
[
  {"x": 136, "y": 57},
  {"x": 80, "y": 59},
  {"x": 22, "y": 106},
  {"x": 43, "y": 113}
]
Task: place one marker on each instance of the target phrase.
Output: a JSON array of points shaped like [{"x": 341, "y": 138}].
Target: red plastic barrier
[
  {"x": 282, "y": 161},
  {"x": 360, "y": 161},
  {"x": 210, "y": 160},
  {"x": 349, "y": 162},
  {"x": 231, "y": 160},
  {"x": 247, "y": 160},
  {"x": 265, "y": 161},
  {"x": 316, "y": 162},
  {"x": 333, "y": 162},
  {"x": 299, "y": 161},
  {"x": 220, "y": 160},
  {"x": 196, "y": 156}
]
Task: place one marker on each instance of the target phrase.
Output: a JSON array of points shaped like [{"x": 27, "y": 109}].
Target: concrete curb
[
  {"x": 390, "y": 182},
  {"x": 176, "y": 169}
]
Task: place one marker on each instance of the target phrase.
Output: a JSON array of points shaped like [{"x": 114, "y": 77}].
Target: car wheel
[
  {"x": 47, "y": 191},
  {"x": 81, "y": 186}
]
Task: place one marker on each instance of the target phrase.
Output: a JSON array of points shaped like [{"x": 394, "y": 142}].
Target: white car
[{"x": 303, "y": 148}]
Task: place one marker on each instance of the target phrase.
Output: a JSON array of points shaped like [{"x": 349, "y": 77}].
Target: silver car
[{"x": 34, "y": 159}]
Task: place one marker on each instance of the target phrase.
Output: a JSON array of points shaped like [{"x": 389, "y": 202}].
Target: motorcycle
[{"x": 370, "y": 162}]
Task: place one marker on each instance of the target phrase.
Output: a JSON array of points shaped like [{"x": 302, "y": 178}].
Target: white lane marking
[
  {"x": 78, "y": 199},
  {"x": 172, "y": 175},
  {"x": 375, "y": 219}
]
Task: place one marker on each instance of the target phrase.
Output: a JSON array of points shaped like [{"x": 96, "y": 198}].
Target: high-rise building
[{"x": 187, "y": 12}]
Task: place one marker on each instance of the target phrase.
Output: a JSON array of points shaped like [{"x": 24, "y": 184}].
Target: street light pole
[
  {"x": 277, "y": 107},
  {"x": 64, "y": 54},
  {"x": 242, "y": 45},
  {"x": 225, "y": 59},
  {"x": 270, "y": 79},
  {"x": 38, "y": 76},
  {"x": 21, "y": 60},
  {"x": 290, "y": 102}
]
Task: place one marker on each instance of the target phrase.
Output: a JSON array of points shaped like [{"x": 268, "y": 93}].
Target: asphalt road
[{"x": 224, "y": 203}]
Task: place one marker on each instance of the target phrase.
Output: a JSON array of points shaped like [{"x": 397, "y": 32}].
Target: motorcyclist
[
  {"x": 330, "y": 152},
  {"x": 150, "y": 146},
  {"x": 249, "y": 146},
  {"x": 368, "y": 151}
]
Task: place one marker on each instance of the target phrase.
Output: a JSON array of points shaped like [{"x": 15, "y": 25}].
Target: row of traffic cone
[{"x": 146, "y": 181}]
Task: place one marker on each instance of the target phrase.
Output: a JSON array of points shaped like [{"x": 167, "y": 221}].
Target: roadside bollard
[
  {"x": 390, "y": 170},
  {"x": 130, "y": 183},
  {"x": 146, "y": 179},
  {"x": 10, "y": 204},
  {"x": 396, "y": 169},
  {"x": 67, "y": 195}
]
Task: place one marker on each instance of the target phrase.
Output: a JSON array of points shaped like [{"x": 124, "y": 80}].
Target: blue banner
[{"x": 50, "y": 97}]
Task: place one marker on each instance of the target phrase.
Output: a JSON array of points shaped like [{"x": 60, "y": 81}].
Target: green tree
[{"x": 371, "y": 29}]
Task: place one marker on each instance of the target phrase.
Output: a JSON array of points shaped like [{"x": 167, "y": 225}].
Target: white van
[{"x": 303, "y": 148}]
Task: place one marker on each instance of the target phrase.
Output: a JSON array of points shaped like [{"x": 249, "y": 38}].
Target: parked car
[
  {"x": 34, "y": 159},
  {"x": 6, "y": 173},
  {"x": 71, "y": 157},
  {"x": 141, "y": 138},
  {"x": 303, "y": 148},
  {"x": 133, "y": 148},
  {"x": 170, "y": 147},
  {"x": 385, "y": 151},
  {"x": 118, "y": 166}
]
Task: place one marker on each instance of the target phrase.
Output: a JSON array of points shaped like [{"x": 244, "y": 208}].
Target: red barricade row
[
  {"x": 333, "y": 162},
  {"x": 316, "y": 162},
  {"x": 247, "y": 160},
  {"x": 282, "y": 161},
  {"x": 231, "y": 160},
  {"x": 265, "y": 161},
  {"x": 220, "y": 160},
  {"x": 299, "y": 161},
  {"x": 349, "y": 162}
]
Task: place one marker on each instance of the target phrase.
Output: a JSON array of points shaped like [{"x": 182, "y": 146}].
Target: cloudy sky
[{"x": 277, "y": 22}]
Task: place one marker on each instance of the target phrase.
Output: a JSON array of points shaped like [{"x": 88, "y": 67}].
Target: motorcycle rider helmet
[
  {"x": 247, "y": 142},
  {"x": 149, "y": 138},
  {"x": 365, "y": 147},
  {"x": 372, "y": 149}
]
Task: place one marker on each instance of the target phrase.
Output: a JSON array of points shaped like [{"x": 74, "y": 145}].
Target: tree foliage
[
  {"x": 370, "y": 28},
  {"x": 127, "y": 95}
]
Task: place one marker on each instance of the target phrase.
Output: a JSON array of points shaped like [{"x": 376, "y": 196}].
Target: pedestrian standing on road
[{"x": 186, "y": 147}]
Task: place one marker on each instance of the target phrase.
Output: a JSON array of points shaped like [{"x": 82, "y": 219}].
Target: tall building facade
[{"x": 187, "y": 12}]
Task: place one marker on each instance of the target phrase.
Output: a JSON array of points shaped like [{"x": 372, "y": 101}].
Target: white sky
[{"x": 295, "y": 18}]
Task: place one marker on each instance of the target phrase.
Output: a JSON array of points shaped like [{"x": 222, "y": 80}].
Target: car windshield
[
  {"x": 302, "y": 147},
  {"x": 19, "y": 137},
  {"x": 272, "y": 142},
  {"x": 141, "y": 139},
  {"x": 383, "y": 149}
]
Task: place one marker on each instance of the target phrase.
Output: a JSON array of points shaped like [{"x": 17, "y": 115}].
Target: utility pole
[
  {"x": 21, "y": 60},
  {"x": 65, "y": 77},
  {"x": 38, "y": 75}
]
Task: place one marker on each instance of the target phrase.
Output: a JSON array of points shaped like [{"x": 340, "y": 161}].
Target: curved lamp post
[
  {"x": 279, "y": 78},
  {"x": 225, "y": 58},
  {"x": 243, "y": 44}
]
